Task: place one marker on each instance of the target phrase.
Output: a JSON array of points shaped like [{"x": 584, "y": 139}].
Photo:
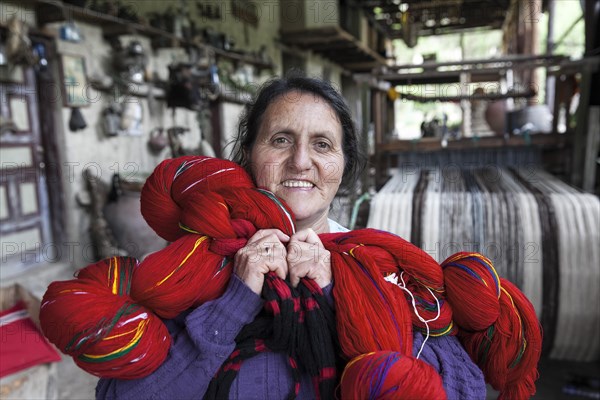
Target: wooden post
[
  {"x": 465, "y": 106},
  {"x": 592, "y": 147},
  {"x": 531, "y": 45},
  {"x": 376, "y": 117},
  {"x": 581, "y": 131}
]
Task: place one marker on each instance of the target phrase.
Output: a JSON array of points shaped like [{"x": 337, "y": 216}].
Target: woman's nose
[{"x": 301, "y": 158}]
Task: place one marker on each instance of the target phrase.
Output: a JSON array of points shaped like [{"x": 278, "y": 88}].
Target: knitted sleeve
[
  {"x": 204, "y": 339},
  {"x": 461, "y": 377}
]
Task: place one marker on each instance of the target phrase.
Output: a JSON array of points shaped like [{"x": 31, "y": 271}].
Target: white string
[{"x": 426, "y": 322}]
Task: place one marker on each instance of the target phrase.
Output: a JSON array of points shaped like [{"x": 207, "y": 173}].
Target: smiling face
[{"x": 298, "y": 156}]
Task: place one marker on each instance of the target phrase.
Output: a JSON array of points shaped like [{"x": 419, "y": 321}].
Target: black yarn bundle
[{"x": 298, "y": 322}]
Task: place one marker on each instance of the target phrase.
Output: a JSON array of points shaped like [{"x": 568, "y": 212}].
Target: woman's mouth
[{"x": 292, "y": 183}]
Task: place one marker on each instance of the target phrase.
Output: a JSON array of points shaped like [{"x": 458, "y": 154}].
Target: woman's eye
[
  {"x": 323, "y": 145},
  {"x": 280, "y": 140}
]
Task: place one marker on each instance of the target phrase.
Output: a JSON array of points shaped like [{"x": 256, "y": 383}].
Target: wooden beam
[
  {"x": 509, "y": 61},
  {"x": 362, "y": 66},
  {"x": 490, "y": 97},
  {"x": 434, "y": 144}
]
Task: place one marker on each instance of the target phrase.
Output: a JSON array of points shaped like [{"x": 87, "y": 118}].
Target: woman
[{"x": 298, "y": 141}]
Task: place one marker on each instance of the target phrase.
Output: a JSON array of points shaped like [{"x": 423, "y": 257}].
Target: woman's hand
[
  {"x": 264, "y": 252},
  {"x": 307, "y": 258}
]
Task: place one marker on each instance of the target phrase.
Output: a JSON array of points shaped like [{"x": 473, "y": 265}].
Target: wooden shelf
[
  {"x": 434, "y": 144},
  {"x": 244, "y": 58},
  {"x": 49, "y": 11},
  {"x": 337, "y": 45},
  {"x": 133, "y": 89}
]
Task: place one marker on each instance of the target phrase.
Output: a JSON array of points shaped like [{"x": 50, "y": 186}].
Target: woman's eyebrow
[
  {"x": 277, "y": 129},
  {"x": 326, "y": 134},
  {"x": 286, "y": 129}
]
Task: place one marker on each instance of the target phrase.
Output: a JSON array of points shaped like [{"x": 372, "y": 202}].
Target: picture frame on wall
[{"x": 74, "y": 81}]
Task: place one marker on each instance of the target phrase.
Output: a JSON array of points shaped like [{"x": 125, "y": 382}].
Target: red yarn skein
[{"x": 93, "y": 319}]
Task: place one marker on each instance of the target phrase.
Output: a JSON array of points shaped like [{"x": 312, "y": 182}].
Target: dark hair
[{"x": 354, "y": 156}]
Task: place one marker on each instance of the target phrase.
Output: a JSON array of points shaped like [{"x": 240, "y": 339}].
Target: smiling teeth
[{"x": 298, "y": 184}]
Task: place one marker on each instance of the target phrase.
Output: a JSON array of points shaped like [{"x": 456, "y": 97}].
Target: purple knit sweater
[{"x": 204, "y": 338}]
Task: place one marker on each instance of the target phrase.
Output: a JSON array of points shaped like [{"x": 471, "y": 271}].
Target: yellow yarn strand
[
  {"x": 516, "y": 312},
  {"x": 444, "y": 332},
  {"x": 114, "y": 267},
  {"x": 354, "y": 248},
  {"x": 198, "y": 243},
  {"x": 354, "y": 360},
  {"x": 120, "y": 334},
  {"x": 140, "y": 329},
  {"x": 187, "y": 229}
]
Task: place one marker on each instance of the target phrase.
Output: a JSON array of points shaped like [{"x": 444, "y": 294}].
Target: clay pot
[
  {"x": 158, "y": 140},
  {"x": 495, "y": 116},
  {"x": 128, "y": 226}
]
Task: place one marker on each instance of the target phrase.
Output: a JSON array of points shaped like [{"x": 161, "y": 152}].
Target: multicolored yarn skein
[
  {"x": 108, "y": 318},
  {"x": 498, "y": 329}
]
